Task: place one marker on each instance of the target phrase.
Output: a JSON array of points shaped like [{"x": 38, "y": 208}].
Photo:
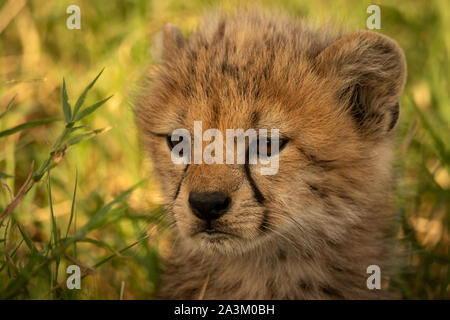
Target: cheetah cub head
[{"x": 333, "y": 100}]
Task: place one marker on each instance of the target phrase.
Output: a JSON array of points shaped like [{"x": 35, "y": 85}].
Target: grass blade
[
  {"x": 26, "y": 125},
  {"x": 96, "y": 221},
  {"x": 85, "y": 136},
  {"x": 72, "y": 209},
  {"x": 82, "y": 97},
  {"x": 98, "y": 264},
  {"x": 26, "y": 238},
  {"x": 98, "y": 217},
  {"x": 5, "y": 176},
  {"x": 87, "y": 111},
  {"x": 54, "y": 227},
  {"x": 66, "y": 106},
  {"x": 8, "y": 107}
]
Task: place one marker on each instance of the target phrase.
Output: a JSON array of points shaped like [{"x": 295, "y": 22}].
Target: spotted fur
[{"x": 311, "y": 230}]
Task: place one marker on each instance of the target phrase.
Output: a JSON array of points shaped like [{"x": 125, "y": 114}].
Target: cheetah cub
[{"x": 311, "y": 230}]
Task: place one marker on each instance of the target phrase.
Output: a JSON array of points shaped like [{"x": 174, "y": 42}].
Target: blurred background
[{"x": 118, "y": 237}]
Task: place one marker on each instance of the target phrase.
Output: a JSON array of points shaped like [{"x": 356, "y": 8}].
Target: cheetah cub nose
[{"x": 209, "y": 206}]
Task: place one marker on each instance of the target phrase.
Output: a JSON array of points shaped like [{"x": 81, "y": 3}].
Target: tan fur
[{"x": 326, "y": 215}]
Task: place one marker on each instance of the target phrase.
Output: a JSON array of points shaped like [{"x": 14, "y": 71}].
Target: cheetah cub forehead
[{"x": 332, "y": 100}]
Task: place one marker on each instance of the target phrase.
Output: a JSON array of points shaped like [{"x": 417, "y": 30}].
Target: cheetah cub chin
[{"x": 311, "y": 230}]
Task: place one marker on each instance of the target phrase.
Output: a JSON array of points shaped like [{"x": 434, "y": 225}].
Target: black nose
[{"x": 209, "y": 206}]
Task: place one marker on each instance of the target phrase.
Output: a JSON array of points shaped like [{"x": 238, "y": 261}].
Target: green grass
[{"x": 74, "y": 167}]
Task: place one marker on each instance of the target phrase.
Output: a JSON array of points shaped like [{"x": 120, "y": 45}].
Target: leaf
[
  {"x": 26, "y": 125},
  {"x": 99, "y": 243},
  {"x": 8, "y": 107},
  {"x": 87, "y": 111},
  {"x": 4, "y": 175},
  {"x": 27, "y": 238},
  {"x": 65, "y": 135},
  {"x": 85, "y": 136},
  {"x": 98, "y": 217},
  {"x": 98, "y": 264},
  {"x": 101, "y": 262},
  {"x": 82, "y": 97},
  {"x": 66, "y": 106},
  {"x": 54, "y": 226}
]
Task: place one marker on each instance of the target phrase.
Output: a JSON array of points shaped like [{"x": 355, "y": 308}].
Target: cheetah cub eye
[{"x": 171, "y": 143}]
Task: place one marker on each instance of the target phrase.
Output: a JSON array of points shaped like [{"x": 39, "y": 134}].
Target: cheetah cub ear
[
  {"x": 168, "y": 43},
  {"x": 369, "y": 71}
]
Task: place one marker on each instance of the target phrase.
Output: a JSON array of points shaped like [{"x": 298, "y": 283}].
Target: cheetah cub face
[{"x": 334, "y": 100}]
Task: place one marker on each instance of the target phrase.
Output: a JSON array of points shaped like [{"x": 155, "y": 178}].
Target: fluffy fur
[{"x": 310, "y": 231}]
